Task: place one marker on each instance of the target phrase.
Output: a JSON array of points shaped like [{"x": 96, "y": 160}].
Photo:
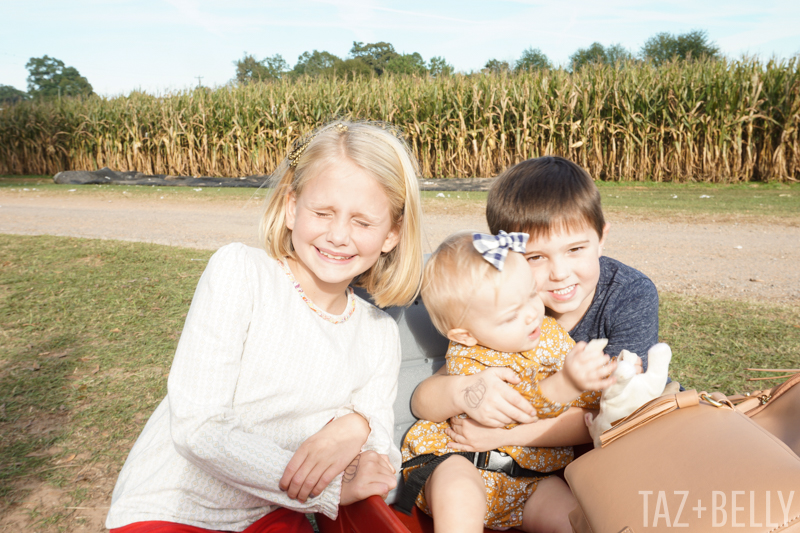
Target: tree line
[
  {"x": 50, "y": 78},
  {"x": 379, "y": 58}
]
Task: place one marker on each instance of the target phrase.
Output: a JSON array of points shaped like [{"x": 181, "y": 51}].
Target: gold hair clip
[{"x": 294, "y": 155}]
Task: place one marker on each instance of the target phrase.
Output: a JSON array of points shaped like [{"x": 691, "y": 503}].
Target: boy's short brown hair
[{"x": 542, "y": 195}]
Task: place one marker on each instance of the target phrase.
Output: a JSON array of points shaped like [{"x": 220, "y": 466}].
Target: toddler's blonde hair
[
  {"x": 395, "y": 278},
  {"x": 452, "y": 275}
]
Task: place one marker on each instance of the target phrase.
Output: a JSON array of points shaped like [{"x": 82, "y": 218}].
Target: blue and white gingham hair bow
[{"x": 494, "y": 248}]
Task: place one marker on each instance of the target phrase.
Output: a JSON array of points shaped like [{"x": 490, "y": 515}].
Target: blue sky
[{"x": 163, "y": 45}]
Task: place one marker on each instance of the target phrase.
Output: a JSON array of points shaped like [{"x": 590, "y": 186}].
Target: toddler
[{"x": 482, "y": 295}]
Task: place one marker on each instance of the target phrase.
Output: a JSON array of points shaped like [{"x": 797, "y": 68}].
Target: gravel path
[{"x": 720, "y": 260}]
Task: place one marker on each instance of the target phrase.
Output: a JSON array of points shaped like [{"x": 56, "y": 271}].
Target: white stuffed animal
[{"x": 631, "y": 390}]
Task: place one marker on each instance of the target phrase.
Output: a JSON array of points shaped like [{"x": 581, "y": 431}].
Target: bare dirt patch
[{"x": 43, "y": 503}]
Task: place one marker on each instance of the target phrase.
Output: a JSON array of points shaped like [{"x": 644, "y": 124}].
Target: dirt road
[{"x": 720, "y": 260}]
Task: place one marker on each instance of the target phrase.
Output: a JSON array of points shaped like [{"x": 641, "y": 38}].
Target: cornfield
[{"x": 722, "y": 121}]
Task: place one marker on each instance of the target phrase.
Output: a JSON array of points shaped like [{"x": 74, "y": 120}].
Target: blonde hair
[
  {"x": 452, "y": 274},
  {"x": 395, "y": 278}
]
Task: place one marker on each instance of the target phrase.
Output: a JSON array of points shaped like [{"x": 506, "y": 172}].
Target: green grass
[
  {"x": 749, "y": 200},
  {"x": 715, "y": 341},
  {"x": 44, "y": 186},
  {"x": 88, "y": 330}
]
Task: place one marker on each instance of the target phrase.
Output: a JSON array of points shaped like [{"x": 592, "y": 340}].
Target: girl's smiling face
[
  {"x": 340, "y": 223},
  {"x": 566, "y": 265}
]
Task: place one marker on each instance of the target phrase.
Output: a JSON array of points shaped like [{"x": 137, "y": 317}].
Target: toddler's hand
[
  {"x": 467, "y": 435},
  {"x": 637, "y": 365},
  {"x": 369, "y": 474},
  {"x": 586, "y": 367}
]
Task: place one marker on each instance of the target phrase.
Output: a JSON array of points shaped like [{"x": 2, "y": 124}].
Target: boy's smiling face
[{"x": 566, "y": 265}]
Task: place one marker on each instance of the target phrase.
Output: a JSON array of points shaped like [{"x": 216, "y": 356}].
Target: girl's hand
[
  {"x": 467, "y": 435},
  {"x": 369, "y": 474},
  {"x": 487, "y": 398},
  {"x": 323, "y": 456}
]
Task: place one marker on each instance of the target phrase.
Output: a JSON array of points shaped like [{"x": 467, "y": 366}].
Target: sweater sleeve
[
  {"x": 375, "y": 400},
  {"x": 634, "y": 324},
  {"x": 205, "y": 428}
]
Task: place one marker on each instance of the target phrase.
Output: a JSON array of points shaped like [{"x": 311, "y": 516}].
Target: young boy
[
  {"x": 591, "y": 296},
  {"x": 481, "y": 294},
  {"x": 557, "y": 203}
]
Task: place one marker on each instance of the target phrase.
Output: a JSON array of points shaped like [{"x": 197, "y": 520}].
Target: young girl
[
  {"x": 280, "y": 396},
  {"x": 481, "y": 294}
]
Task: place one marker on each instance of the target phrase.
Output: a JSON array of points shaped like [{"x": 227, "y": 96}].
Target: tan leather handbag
[
  {"x": 777, "y": 410},
  {"x": 687, "y": 462}
]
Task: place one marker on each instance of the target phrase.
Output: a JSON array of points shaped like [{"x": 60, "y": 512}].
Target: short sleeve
[{"x": 633, "y": 326}]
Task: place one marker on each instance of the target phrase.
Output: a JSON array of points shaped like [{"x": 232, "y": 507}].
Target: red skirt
[{"x": 278, "y": 521}]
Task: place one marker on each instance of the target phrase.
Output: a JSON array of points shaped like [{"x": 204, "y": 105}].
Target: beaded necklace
[{"x": 335, "y": 319}]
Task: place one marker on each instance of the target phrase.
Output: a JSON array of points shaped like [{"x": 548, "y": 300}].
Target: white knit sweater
[{"x": 257, "y": 371}]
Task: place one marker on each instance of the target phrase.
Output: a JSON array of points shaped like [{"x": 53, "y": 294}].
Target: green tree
[
  {"x": 664, "y": 46},
  {"x": 374, "y": 55},
  {"x": 495, "y": 66},
  {"x": 616, "y": 53},
  {"x": 532, "y": 59},
  {"x": 353, "y": 67},
  {"x": 11, "y": 95},
  {"x": 597, "y": 53},
  {"x": 48, "y": 77},
  {"x": 438, "y": 66},
  {"x": 316, "y": 63},
  {"x": 276, "y": 66},
  {"x": 249, "y": 69},
  {"x": 407, "y": 64}
]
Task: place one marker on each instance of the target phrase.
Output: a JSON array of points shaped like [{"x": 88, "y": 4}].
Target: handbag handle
[
  {"x": 657, "y": 408},
  {"x": 754, "y": 402}
]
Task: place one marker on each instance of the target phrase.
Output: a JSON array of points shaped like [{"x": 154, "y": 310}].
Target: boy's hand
[
  {"x": 487, "y": 398},
  {"x": 324, "y": 456},
  {"x": 369, "y": 474},
  {"x": 586, "y": 367}
]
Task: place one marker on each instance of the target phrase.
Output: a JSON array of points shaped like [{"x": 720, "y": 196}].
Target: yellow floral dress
[{"x": 506, "y": 496}]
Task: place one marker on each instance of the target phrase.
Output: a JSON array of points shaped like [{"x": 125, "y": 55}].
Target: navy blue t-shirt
[{"x": 624, "y": 310}]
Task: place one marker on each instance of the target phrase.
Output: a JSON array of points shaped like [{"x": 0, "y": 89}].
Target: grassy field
[{"x": 89, "y": 329}]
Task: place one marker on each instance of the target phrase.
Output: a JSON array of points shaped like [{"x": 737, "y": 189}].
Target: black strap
[{"x": 417, "y": 479}]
